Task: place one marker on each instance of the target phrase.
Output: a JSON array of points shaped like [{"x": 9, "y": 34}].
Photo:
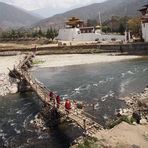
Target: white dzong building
[
  {"x": 76, "y": 30},
  {"x": 144, "y": 22}
]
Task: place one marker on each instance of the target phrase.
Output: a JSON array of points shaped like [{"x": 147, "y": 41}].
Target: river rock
[
  {"x": 146, "y": 89},
  {"x": 136, "y": 115},
  {"x": 143, "y": 102},
  {"x": 14, "y": 89},
  {"x": 143, "y": 121},
  {"x": 134, "y": 123}
]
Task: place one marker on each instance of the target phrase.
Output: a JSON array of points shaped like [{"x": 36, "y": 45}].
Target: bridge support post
[
  {"x": 84, "y": 125},
  {"x": 51, "y": 116},
  {"x": 23, "y": 86}
]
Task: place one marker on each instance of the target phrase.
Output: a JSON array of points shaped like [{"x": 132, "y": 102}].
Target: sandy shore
[
  {"x": 63, "y": 60},
  {"x": 8, "y": 62},
  {"x": 77, "y": 59}
]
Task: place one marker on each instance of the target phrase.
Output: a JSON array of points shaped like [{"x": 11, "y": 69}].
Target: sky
[{"x": 39, "y": 4}]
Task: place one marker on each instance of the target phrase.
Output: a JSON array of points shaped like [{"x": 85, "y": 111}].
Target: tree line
[
  {"x": 115, "y": 24},
  {"x": 23, "y": 34},
  {"x": 119, "y": 25}
]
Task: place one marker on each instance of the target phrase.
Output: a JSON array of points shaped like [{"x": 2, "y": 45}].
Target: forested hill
[
  {"x": 107, "y": 9},
  {"x": 13, "y": 17}
]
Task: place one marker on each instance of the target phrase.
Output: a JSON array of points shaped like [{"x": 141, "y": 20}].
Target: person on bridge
[
  {"x": 58, "y": 101},
  {"x": 35, "y": 49},
  {"x": 51, "y": 95},
  {"x": 67, "y": 105}
]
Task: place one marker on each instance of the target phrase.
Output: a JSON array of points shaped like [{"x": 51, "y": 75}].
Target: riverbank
[
  {"x": 124, "y": 134},
  {"x": 79, "y": 59},
  {"x": 63, "y": 60},
  {"x": 9, "y": 62},
  {"x": 8, "y": 85}
]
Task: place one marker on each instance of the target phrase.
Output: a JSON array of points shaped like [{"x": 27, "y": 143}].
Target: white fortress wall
[
  {"x": 145, "y": 31},
  {"x": 93, "y": 37},
  {"x": 74, "y": 34},
  {"x": 86, "y": 37},
  {"x": 67, "y": 34}
]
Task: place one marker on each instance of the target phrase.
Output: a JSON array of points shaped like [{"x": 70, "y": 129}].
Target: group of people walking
[{"x": 56, "y": 100}]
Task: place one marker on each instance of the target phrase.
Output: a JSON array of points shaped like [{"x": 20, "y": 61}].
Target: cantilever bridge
[{"x": 21, "y": 72}]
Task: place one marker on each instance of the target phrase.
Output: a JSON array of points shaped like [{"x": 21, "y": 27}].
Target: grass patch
[
  {"x": 126, "y": 119},
  {"x": 38, "y": 62},
  {"x": 88, "y": 142}
]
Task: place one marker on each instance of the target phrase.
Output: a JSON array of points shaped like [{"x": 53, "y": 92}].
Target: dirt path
[{"x": 125, "y": 136}]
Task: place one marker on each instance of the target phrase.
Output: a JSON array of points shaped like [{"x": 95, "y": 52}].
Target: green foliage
[
  {"x": 127, "y": 119},
  {"x": 37, "y": 62},
  {"x": 121, "y": 29},
  {"x": 106, "y": 29},
  {"x": 134, "y": 25},
  {"x": 116, "y": 24},
  {"x": 88, "y": 142},
  {"x": 23, "y": 34},
  {"x": 51, "y": 33},
  {"x": 40, "y": 33},
  {"x": 92, "y": 22}
]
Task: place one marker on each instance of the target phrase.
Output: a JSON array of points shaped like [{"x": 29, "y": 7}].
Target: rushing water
[{"x": 99, "y": 84}]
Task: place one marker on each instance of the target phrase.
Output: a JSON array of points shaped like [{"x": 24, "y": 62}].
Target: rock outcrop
[{"x": 7, "y": 85}]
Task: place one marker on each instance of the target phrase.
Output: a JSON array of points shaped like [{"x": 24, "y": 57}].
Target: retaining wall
[{"x": 130, "y": 48}]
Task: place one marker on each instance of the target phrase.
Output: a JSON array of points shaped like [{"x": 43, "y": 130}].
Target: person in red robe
[
  {"x": 67, "y": 105},
  {"x": 51, "y": 95},
  {"x": 58, "y": 101}
]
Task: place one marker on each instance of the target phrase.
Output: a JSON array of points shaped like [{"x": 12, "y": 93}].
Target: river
[{"x": 101, "y": 84}]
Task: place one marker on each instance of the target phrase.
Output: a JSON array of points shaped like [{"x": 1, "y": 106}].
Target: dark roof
[
  {"x": 146, "y": 6},
  {"x": 87, "y": 28},
  {"x": 142, "y": 9},
  {"x": 144, "y": 19}
]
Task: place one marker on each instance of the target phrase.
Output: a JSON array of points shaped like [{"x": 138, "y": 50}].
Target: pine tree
[
  {"x": 121, "y": 29},
  {"x": 48, "y": 35}
]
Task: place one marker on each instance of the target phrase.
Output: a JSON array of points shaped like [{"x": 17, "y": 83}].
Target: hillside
[
  {"x": 107, "y": 9},
  {"x": 12, "y": 17}
]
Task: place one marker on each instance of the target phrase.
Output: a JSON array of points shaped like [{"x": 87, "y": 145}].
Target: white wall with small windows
[{"x": 145, "y": 31}]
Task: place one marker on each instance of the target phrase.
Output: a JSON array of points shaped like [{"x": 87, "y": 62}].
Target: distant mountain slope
[
  {"x": 47, "y": 11},
  {"x": 107, "y": 9},
  {"x": 12, "y": 17}
]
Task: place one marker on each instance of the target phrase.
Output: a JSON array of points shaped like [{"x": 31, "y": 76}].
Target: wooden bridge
[{"x": 21, "y": 72}]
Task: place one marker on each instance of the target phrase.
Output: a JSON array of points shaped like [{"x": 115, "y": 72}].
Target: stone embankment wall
[
  {"x": 129, "y": 48},
  {"x": 7, "y": 85}
]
